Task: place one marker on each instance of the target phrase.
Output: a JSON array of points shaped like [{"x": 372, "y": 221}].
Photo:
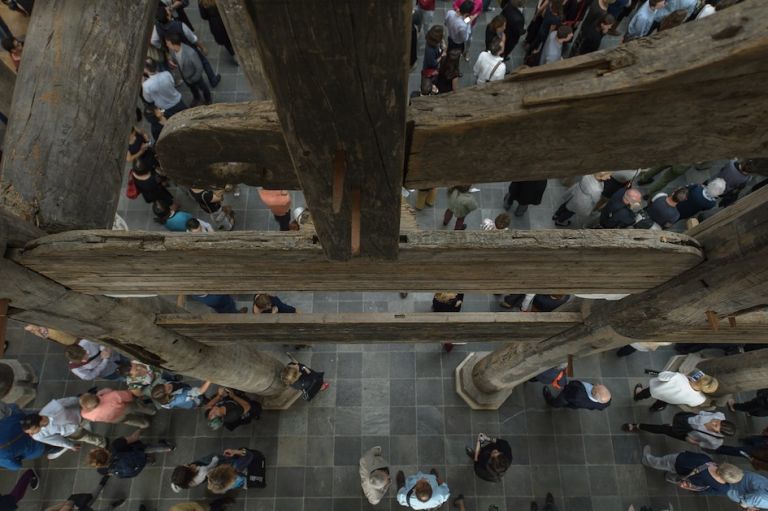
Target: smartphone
[{"x": 467, "y": 19}]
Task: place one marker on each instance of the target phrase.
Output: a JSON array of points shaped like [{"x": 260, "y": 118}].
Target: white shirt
[
  {"x": 160, "y": 89},
  {"x": 553, "y": 49},
  {"x": 206, "y": 226},
  {"x": 675, "y": 389},
  {"x": 484, "y": 68},
  {"x": 98, "y": 366},
  {"x": 707, "y": 439},
  {"x": 63, "y": 420},
  {"x": 458, "y": 30}
]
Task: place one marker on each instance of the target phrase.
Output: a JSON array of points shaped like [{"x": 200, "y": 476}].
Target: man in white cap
[{"x": 374, "y": 475}]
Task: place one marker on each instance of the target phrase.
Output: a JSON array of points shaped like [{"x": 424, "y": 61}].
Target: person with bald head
[
  {"x": 580, "y": 394},
  {"x": 421, "y": 491},
  {"x": 622, "y": 209}
]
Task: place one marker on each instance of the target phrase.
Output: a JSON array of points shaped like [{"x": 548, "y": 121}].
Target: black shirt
[
  {"x": 482, "y": 468},
  {"x": 662, "y": 213},
  {"x": 616, "y": 214}
]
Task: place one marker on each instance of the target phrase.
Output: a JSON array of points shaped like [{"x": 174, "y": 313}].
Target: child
[{"x": 501, "y": 223}]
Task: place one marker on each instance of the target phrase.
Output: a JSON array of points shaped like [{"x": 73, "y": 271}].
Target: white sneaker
[
  {"x": 646, "y": 455},
  {"x": 54, "y": 455}
]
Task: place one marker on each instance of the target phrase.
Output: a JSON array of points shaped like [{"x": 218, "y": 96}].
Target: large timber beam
[
  {"x": 69, "y": 123},
  {"x": 596, "y": 101},
  {"x": 341, "y": 99},
  {"x": 551, "y": 261}
]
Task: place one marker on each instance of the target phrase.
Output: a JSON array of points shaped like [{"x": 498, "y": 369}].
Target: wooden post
[
  {"x": 68, "y": 129},
  {"x": 738, "y": 373},
  {"x": 3, "y": 325},
  {"x": 7, "y": 84}
]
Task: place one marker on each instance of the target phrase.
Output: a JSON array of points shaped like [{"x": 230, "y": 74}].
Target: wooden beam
[
  {"x": 15, "y": 232},
  {"x": 341, "y": 98},
  {"x": 551, "y": 261},
  {"x": 573, "y": 102},
  {"x": 69, "y": 123},
  {"x": 370, "y": 327},
  {"x": 7, "y": 84}
]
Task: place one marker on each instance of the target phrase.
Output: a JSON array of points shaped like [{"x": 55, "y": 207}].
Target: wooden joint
[
  {"x": 339, "y": 173},
  {"x": 732, "y": 321},
  {"x": 713, "y": 320},
  {"x": 355, "y": 223}
]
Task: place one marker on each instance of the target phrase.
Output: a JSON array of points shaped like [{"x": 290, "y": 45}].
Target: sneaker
[
  {"x": 521, "y": 209},
  {"x": 117, "y": 503},
  {"x": 34, "y": 483},
  {"x": 646, "y": 454},
  {"x": 534, "y": 506},
  {"x": 324, "y": 386},
  {"x": 56, "y": 454},
  {"x": 215, "y": 81}
]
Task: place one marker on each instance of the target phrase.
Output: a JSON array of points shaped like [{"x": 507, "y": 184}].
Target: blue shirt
[
  {"x": 185, "y": 398},
  {"x": 642, "y": 22},
  {"x": 440, "y": 493},
  {"x": 751, "y": 491},
  {"x": 696, "y": 202},
  {"x": 178, "y": 222},
  {"x": 17, "y": 445}
]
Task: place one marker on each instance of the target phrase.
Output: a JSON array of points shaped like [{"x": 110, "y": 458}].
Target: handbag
[
  {"x": 131, "y": 191},
  {"x": 678, "y": 480}
]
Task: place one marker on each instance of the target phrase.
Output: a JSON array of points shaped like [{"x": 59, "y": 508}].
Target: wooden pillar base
[
  {"x": 281, "y": 401},
  {"x": 474, "y": 397}
]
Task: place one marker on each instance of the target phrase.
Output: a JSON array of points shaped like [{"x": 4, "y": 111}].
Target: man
[
  {"x": 115, "y": 407},
  {"x": 735, "y": 173},
  {"x": 458, "y": 24},
  {"x": 593, "y": 34},
  {"x": 663, "y": 210},
  {"x": 15, "y": 445},
  {"x": 621, "y": 210},
  {"x": 490, "y": 64},
  {"x": 60, "y": 424},
  {"x": 701, "y": 198},
  {"x": 697, "y": 472},
  {"x": 190, "y": 66},
  {"x": 705, "y": 429},
  {"x": 374, "y": 475},
  {"x": 689, "y": 6},
  {"x": 127, "y": 456},
  {"x": 643, "y": 21},
  {"x": 88, "y": 361},
  {"x": 491, "y": 457},
  {"x": 513, "y": 11},
  {"x": 580, "y": 395},
  {"x": 83, "y": 501},
  {"x": 553, "y": 47},
  {"x": 159, "y": 89},
  {"x": 751, "y": 492},
  {"x": 421, "y": 491}
]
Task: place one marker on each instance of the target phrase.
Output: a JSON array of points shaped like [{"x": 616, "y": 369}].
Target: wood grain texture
[
  {"x": 370, "y": 327},
  {"x": 550, "y": 261},
  {"x": 69, "y": 123},
  {"x": 7, "y": 84},
  {"x": 582, "y": 113},
  {"x": 15, "y": 232}
]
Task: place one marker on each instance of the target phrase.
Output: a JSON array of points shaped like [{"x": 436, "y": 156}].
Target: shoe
[
  {"x": 658, "y": 406},
  {"x": 629, "y": 427},
  {"x": 458, "y": 498},
  {"x": 646, "y": 454},
  {"x": 142, "y": 507},
  {"x": 434, "y": 473},
  {"x": 507, "y": 203},
  {"x": 403, "y": 295},
  {"x": 56, "y": 454},
  {"x": 731, "y": 405},
  {"x": 448, "y": 347},
  {"x": 562, "y": 224},
  {"x": 534, "y": 506},
  {"x": 400, "y": 479},
  {"x": 470, "y": 453},
  {"x": 215, "y": 81},
  {"x": 34, "y": 483},
  {"x": 324, "y": 386},
  {"x": 117, "y": 503},
  {"x": 549, "y": 500},
  {"x": 521, "y": 209},
  {"x": 638, "y": 388},
  {"x": 547, "y": 394},
  {"x": 170, "y": 445}
]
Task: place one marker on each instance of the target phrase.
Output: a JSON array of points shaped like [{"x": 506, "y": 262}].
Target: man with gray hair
[
  {"x": 621, "y": 210},
  {"x": 694, "y": 471},
  {"x": 580, "y": 395},
  {"x": 374, "y": 475}
]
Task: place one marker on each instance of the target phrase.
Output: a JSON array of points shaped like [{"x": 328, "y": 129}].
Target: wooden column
[
  {"x": 7, "y": 84},
  {"x": 69, "y": 124},
  {"x": 738, "y": 373},
  {"x": 338, "y": 72}
]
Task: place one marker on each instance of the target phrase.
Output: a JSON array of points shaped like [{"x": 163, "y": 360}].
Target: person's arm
[
  {"x": 59, "y": 441},
  {"x": 527, "y": 302},
  {"x": 455, "y": 84},
  {"x": 192, "y": 38},
  {"x": 91, "y": 373},
  {"x": 477, "y": 449},
  {"x": 202, "y": 389},
  {"x": 133, "y": 437},
  {"x": 68, "y": 402},
  {"x": 245, "y": 405},
  {"x": 130, "y": 158}
]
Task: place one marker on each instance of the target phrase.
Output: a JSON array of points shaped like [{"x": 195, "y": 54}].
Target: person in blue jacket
[
  {"x": 15, "y": 445},
  {"x": 180, "y": 395}
]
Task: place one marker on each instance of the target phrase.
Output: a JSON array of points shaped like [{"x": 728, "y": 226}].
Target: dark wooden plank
[
  {"x": 341, "y": 98},
  {"x": 551, "y": 261},
  {"x": 67, "y": 132},
  {"x": 370, "y": 327},
  {"x": 15, "y": 232},
  {"x": 7, "y": 84}
]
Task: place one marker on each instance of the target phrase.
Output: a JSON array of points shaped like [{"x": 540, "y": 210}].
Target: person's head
[
  {"x": 679, "y": 195},
  {"x": 606, "y": 22},
  {"x": 716, "y": 187},
  {"x": 163, "y": 14},
  {"x": 138, "y": 369},
  {"x": 724, "y": 427},
  {"x": 556, "y": 6},
  {"x": 98, "y": 458},
  {"x": 706, "y": 384},
  {"x": 193, "y": 225},
  {"x": 422, "y": 490},
  {"x": 141, "y": 168},
  {"x": 173, "y": 42},
  {"x": 496, "y": 48},
  {"x": 89, "y": 401},
  {"x": 379, "y": 478},
  {"x": 161, "y": 210},
  {"x": 564, "y": 33},
  {"x": 601, "y": 393},
  {"x": 498, "y": 23},
  {"x": 731, "y": 474},
  {"x": 657, "y": 4},
  {"x": 502, "y": 221},
  {"x": 290, "y": 374},
  {"x": 75, "y": 353},
  {"x": 182, "y": 477},
  {"x": 634, "y": 199},
  {"x": 261, "y": 302},
  {"x": 445, "y": 297},
  {"x": 162, "y": 393},
  {"x": 745, "y": 166},
  {"x": 498, "y": 463},
  {"x": 150, "y": 66},
  {"x": 221, "y": 478},
  {"x": 602, "y": 176},
  {"x": 466, "y": 7},
  {"x": 33, "y": 423},
  {"x": 11, "y": 44},
  {"x": 435, "y": 35}
]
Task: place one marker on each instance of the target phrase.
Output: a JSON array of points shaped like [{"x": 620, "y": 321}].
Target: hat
[{"x": 378, "y": 479}]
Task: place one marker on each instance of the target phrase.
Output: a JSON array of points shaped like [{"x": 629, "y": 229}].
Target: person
[
  {"x": 24, "y": 7},
  {"x": 579, "y": 395},
  {"x": 549, "y": 504},
  {"x": 689, "y": 6},
  {"x": 239, "y": 468},
  {"x": 512, "y": 10},
  {"x": 701, "y": 198},
  {"x": 195, "y": 225},
  {"x": 127, "y": 456},
  {"x": 491, "y": 457},
  {"x": 29, "y": 479},
  {"x": 705, "y": 429},
  {"x": 696, "y": 471},
  {"x": 670, "y": 387},
  {"x": 663, "y": 207},
  {"x": 177, "y": 395},
  {"x": 448, "y": 74},
  {"x": 753, "y": 447},
  {"x": 500, "y": 223},
  {"x": 264, "y": 303},
  {"x": 89, "y": 361},
  {"x": 374, "y": 475},
  {"x": 211, "y": 201},
  {"x": 553, "y": 46},
  {"x": 15, "y": 445},
  {"x": 300, "y": 377},
  {"x": 231, "y": 409},
  {"x": 644, "y": 19},
  {"x": 421, "y": 491},
  {"x": 495, "y": 29},
  {"x": 434, "y": 51},
  {"x": 159, "y": 89},
  {"x": 458, "y": 23},
  {"x": 461, "y": 202},
  {"x": 176, "y": 9},
  {"x": 166, "y": 214},
  {"x": 222, "y": 304},
  {"x": 736, "y": 174},
  {"x": 426, "y": 9},
  {"x": 708, "y": 9},
  {"x": 190, "y": 67},
  {"x": 447, "y": 302},
  {"x": 490, "y": 66},
  {"x": 149, "y": 183},
  {"x": 581, "y": 199},
  {"x": 621, "y": 210},
  {"x": 755, "y": 407},
  {"x": 60, "y": 424},
  {"x": 552, "y": 17},
  {"x": 142, "y": 378},
  {"x": 210, "y": 13},
  {"x": 534, "y": 302},
  {"x": 14, "y": 47},
  {"x": 83, "y": 501},
  {"x": 526, "y": 193},
  {"x": 115, "y": 407},
  {"x": 592, "y": 36},
  {"x": 751, "y": 493},
  {"x": 279, "y": 203},
  {"x": 193, "y": 474},
  {"x": 140, "y": 148}
]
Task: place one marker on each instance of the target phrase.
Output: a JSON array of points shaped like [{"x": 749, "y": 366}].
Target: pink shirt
[
  {"x": 111, "y": 407},
  {"x": 278, "y": 201},
  {"x": 477, "y": 8}
]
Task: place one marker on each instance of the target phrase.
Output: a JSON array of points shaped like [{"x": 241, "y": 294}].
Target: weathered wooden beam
[
  {"x": 7, "y": 84},
  {"x": 551, "y": 261},
  {"x": 370, "y": 327},
  {"x": 341, "y": 98},
  {"x": 557, "y": 110},
  {"x": 15, "y": 232},
  {"x": 742, "y": 372},
  {"x": 69, "y": 123}
]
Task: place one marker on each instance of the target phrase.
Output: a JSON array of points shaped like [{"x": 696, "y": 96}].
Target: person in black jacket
[
  {"x": 621, "y": 211},
  {"x": 491, "y": 457},
  {"x": 592, "y": 35},
  {"x": 513, "y": 11},
  {"x": 578, "y": 394},
  {"x": 756, "y": 407},
  {"x": 127, "y": 456}
]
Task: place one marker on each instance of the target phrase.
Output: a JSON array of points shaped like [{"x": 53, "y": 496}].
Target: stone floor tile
[
  {"x": 631, "y": 480},
  {"x": 318, "y": 482},
  {"x": 429, "y": 392},
  {"x": 602, "y": 480},
  {"x": 578, "y": 504},
  {"x": 289, "y": 481},
  {"x": 402, "y": 392},
  {"x": 345, "y": 504},
  {"x": 291, "y": 451},
  {"x": 376, "y": 421},
  {"x": 546, "y": 478},
  {"x": 402, "y": 420},
  {"x": 570, "y": 450},
  {"x": 348, "y": 420},
  {"x": 428, "y": 366},
  {"x": 430, "y": 420},
  {"x": 401, "y": 449},
  {"x": 350, "y": 365},
  {"x": 376, "y": 364},
  {"x": 347, "y": 450},
  {"x": 606, "y": 503},
  {"x": 321, "y": 421},
  {"x": 598, "y": 449},
  {"x": 346, "y": 481},
  {"x": 431, "y": 451},
  {"x": 349, "y": 392},
  {"x": 402, "y": 365},
  {"x": 575, "y": 481},
  {"x": 540, "y": 422},
  {"x": 375, "y": 393},
  {"x": 457, "y": 421},
  {"x": 320, "y": 451}
]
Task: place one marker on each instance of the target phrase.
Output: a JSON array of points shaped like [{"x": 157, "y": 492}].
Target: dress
[
  {"x": 526, "y": 193},
  {"x": 151, "y": 190}
]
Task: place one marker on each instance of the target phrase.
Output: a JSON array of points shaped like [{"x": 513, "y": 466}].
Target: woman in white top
[{"x": 674, "y": 388}]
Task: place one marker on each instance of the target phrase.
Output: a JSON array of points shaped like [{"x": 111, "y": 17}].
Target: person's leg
[
  {"x": 160, "y": 447},
  {"x": 643, "y": 394},
  {"x": 460, "y": 225},
  {"x": 447, "y": 216},
  {"x": 563, "y": 214},
  {"x": 18, "y": 491},
  {"x": 431, "y": 197},
  {"x": 663, "y": 429},
  {"x": 206, "y": 91},
  {"x": 665, "y": 463},
  {"x": 554, "y": 402},
  {"x": 213, "y": 78},
  {"x": 83, "y": 435},
  {"x": 421, "y": 199},
  {"x": 284, "y": 221},
  {"x": 549, "y": 503},
  {"x": 135, "y": 420},
  {"x": 753, "y": 407}
]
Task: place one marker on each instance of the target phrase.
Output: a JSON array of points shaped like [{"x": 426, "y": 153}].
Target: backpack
[{"x": 257, "y": 470}]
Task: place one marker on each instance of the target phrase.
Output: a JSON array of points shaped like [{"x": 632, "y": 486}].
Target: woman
[
  {"x": 496, "y": 28},
  {"x": 550, "y": 20},
  {"x": 149, "y": 183},
  {"x": 434, "y": 51},
  {"x": 139, "y": 148},
  {"x": 127, "y": 456},
  {"x": 14, "y": 47},
  {"x": 460, "y": 203},
  {"x": 300, "y": 377},
  {"x": 231, "y": 409},
  {"x": 166, "y": 214},
  {"x": 211, "y": 201},
  {"x": 704, "y": 429},
  {"x": 491, "y": 457},
  {"x": 581, "y": 199},
  {"x": 526, "y": 193},
  {"x": 674, "y": 388},
  {"x": 210, "y": 13},
  {"x": 447, "y": 79}
]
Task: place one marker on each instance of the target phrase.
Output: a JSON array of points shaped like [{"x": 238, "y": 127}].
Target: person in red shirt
[{"x": 427, "y": 10}]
